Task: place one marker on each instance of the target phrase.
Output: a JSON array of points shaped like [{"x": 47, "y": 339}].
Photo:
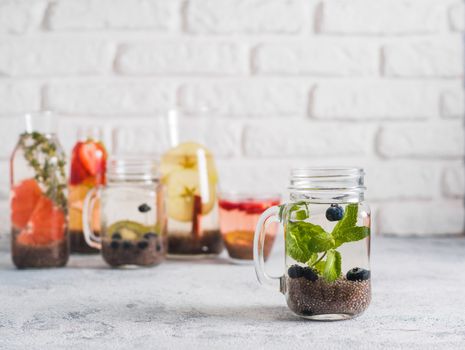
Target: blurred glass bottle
[
  {"x": 88, "y": 168},
  {"x": 38, "y": 201},
  {"x": 191, "y": 180}
]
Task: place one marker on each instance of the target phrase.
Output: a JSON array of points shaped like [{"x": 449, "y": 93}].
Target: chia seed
[{"x": 307, "y": 298}]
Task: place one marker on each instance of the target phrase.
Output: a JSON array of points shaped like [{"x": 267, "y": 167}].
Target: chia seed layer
[
  {"x": 210, "y": 242},
  {"x": 131, "y": 253},
  {"x": 342, "y": 296},
  {"x": 37, "y": 256},
  {"x": 78, "y": 243}
]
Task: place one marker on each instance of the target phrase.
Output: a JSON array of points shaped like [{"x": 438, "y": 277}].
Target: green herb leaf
[
  {"x": 301, "y": 215},
  {"x": 350, "y": 234},
  {"x": 303, "y": 239},
  {"x": 346, "y": 229},
  {"x": 349, "y": 219},
  {"x": 332, "y": 267}
]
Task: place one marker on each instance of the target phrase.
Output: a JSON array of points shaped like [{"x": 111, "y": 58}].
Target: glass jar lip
[
  {"x": 132, "y": 168},
  {"x": 318, "y": 172},
  {"x": 249, "y": 196},
  {"x": 41, "y": 121},
  {"x": 327, "y": 179}
]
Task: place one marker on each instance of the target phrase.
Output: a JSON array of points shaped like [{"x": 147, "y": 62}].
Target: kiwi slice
[{"x": 129, "y": 230}]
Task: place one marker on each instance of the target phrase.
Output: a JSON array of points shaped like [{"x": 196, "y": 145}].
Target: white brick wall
[{"x": 374, "y": 83}]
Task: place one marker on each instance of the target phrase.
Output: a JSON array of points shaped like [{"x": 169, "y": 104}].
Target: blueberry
[
  {"x": 150, "y": 235},
  {"x": 309, "y": 274},
  {"x": 143, "y": 208},
  {"x": 114, "y": 244},
  {"x": 358, "y": 274},
  {"x": 158, "y": 247},
  {"x": 143, "y": 244},
  {"x": 295, "y": 271},
  {"x": 334, "y": 213},
  {"x": 116, "y": 235},
  {"x": 127, "y": 245}
]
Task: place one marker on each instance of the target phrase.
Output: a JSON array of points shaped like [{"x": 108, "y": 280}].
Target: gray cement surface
[{"x": 418, "y": 303}]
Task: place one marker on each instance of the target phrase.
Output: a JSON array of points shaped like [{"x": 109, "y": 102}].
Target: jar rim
[
  {"x": 327, "y": 179},
  {"x": 317, "y": 172},
  {"x": 129, "y": 168}
]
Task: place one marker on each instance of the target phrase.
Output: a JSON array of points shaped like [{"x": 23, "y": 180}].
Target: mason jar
[
  {"x": 38, "y": 196},
  {"x": 132, "y": 216},
  {"x": 326, "y": 225}
]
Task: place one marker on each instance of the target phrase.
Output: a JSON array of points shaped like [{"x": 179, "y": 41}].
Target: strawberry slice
[
  {"x": 90, "y": 156},
  {"x": 227, "y": 205},
  {"x": 88, "y": 163}
]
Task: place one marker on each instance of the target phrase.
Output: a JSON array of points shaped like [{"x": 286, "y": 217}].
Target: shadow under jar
[
  {"x": 327, "y": 244},
  {"x": 132, "y": 214}
]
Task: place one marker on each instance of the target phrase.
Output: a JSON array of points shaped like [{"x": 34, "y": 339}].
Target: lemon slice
[
  {"x": 188, "y": 155},
  {"x": 182, "y": 185}
]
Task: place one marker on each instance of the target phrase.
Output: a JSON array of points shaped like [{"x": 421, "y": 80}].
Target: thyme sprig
[{"x": 48, "y": 164}]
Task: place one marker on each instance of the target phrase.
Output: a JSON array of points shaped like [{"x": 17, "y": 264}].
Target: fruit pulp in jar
[
  {"x": 238, "y": 218},
  {"x": 190, "y": 177},
  {"x": 88, "y": 162},
  {"x": 133, "y": 224},
  {"x": 39, "y": 227}
]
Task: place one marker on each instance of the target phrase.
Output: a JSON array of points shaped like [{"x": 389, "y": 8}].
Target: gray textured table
[{"x": 419, "y": 303}]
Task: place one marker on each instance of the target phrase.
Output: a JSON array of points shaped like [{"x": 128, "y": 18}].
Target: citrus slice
[
  {"x": 128, "y": 230},
  {"x": 187, "y": 156},
  {"x": 47, "y": 224},
  {"x": 182, "y": 186},
  {"x": 25, "y": 196}
]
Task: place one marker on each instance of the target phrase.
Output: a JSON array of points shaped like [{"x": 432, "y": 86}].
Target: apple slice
[
  {"x": 182, "y": 185},
  {"x": 188, "y": 155}
]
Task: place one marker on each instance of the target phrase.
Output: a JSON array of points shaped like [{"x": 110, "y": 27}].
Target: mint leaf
[
  {"x": 346, "y": 229},
  {"x": 350, "y": 234},
  {"x": 320, "y": 267},
  {"x": 332, "y": 268},
  {"x": 296, "y": 248},
  {"x": 312, "y": 260},
  {"x": 304, "y": 239},
  {"x": 301, "y": 215},
  {"x": 349, "y": 219}
]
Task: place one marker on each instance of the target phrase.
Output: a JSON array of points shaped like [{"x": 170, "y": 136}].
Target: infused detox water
[
  {"x": 327, "y": 265},
  {"x": 190, "y": 177},
  {"x": 327, "y": 244},
  {"x": 239, "y": 215}
]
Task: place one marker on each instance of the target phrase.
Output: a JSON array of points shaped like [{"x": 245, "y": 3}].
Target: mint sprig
[{"x": 310, "y": 244}]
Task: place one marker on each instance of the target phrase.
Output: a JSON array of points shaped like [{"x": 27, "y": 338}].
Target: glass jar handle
[
  {"x": 268, "y": 216},
  {"x": 87, "y": 210}
]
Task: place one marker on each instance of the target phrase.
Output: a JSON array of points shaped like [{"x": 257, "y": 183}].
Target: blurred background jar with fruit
[
  {"x": 132, "y": 217},
  {"x": 38, "y": 200},
  {"x": 191, "y": 179},
  {"x": 88, "y": 166},
  {"x": 239, "y": 214}
]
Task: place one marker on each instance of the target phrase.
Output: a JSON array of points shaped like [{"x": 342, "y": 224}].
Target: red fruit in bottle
[
  {"x": 47, "y": 224},
  {"x": 25, "y": 197}
]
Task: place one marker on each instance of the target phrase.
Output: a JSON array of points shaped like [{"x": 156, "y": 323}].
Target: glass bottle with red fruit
[
  {"x": 38, "y": 201},
  {"x": 88, "y": 162}
]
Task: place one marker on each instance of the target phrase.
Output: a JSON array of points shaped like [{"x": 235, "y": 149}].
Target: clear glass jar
[
  {"x": 327, "y": 244},
  {"x": 38, "y": 200},
  {"x": 88, "y": 167},
  {"x": 132, "y": 214},
  {"x": 239, "y": 214},
  {"x": 191, "y": 179}
]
